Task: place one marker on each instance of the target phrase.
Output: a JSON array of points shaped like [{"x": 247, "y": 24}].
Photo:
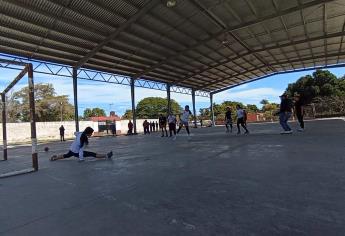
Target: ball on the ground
[{"x": 46, "y": 149}]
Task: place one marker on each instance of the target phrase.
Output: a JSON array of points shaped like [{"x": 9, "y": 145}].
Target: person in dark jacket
[
  {"x": 62, "y": 133},
  {"x": 285, "y": 112},
  {"x": 299, "y": 111}
]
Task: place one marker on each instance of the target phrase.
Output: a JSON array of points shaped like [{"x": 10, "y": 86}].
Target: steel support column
[
  {"x": 75, "y": 95},
  {"x": 194, "y": 110},
  {"x": 133, "y": 106},
  {"x": 211, "y": 108},
  {"x": 32, "y": 117},
  {"x": 4, "y": 131},
  {"x": 169, "y": 99}
]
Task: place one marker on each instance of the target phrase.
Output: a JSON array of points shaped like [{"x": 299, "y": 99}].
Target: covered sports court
[
  {"x": 215, "y": 184},
  {"x": 262, "y": 184}
]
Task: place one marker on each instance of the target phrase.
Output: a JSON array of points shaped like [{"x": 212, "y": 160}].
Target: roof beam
[
  {"x": 240, "y": 26},
  {"x": 223, "y": 25},
  {"x": 56, "y": 19},
  {"x": 341, "y": 41},
  {"x": 334, "y": 35},
  {"x": 114, "y": 34},
  {"x": 280, "y": 63},
  {"x": 278, "y": 73}
]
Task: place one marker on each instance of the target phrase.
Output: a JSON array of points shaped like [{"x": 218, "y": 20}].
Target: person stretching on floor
[{"x": 78, "y": 145}]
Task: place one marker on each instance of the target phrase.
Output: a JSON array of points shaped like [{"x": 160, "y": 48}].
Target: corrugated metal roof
[{"x": 201, "y": 44}]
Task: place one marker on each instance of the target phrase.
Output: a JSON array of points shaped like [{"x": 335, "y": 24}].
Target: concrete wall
[{"x": 20, "y": 132}]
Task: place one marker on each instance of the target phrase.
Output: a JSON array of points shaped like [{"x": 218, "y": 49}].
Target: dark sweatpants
[
  {"x": 300, "y": 120},
  {"x": 85, "y": 154},
  {"x": 241, "y": 122},
  {"x": 172, "y": 128}
]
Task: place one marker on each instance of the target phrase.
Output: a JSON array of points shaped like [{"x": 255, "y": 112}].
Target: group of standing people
[
  {"x": 241, "y": 116},
  {"x": 150, "y": 127},
  {"x": 286, "y": 109},
  {"x": 171, "y": 122}
]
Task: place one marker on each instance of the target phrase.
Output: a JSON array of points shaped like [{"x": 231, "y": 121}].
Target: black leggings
[
  {"x": 164, "y": 128},
  {"x": 172, "y": 128},
  {"x": 300, "y": 120},
  {"x": 241, "y": 122},
  {"x": 85, "y": 154},
  {"x": 187, "y": 128}
]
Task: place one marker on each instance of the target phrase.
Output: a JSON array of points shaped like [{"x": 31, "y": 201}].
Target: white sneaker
[
  {"x": 300, "y": 130},
  {"x": 81, "y": 160},
  {"x": 174, "y": 138},
  {"x": 286, "y": 132}
]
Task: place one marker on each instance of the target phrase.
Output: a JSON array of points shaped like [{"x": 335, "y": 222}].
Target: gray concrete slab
[{"x": 215, "y": 184}]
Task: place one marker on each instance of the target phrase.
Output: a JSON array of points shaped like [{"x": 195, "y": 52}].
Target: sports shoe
[
  {"x": 81, "y": 160},
  {"x": 300, "y": 130},
  {"x": 109, "y": 154},
  {"x": 53, "y": 158},
  {"x": 247, "y": 132},
  {"x": 286, "y": 132},
  {"x": 174, "y": 138}
]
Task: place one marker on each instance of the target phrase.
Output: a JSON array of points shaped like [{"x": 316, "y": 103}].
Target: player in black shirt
[
  {"x": 299, "y": 111},
  {"x": 163, "y": 124},
  {"x": 228, "y": 120}
]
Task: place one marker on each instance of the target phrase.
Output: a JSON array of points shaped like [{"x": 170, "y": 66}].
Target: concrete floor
[{"x": 214, "y": 184}]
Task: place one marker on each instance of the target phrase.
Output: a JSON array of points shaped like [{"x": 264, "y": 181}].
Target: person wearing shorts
[{"x": 78, "y": 145}]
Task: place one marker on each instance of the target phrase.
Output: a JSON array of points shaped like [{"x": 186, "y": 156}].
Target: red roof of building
[{"x": 105, "y": 118}]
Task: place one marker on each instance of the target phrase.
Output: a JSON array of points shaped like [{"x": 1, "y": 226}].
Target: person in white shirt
[
  {"x": 185, "y": 119},
  {"x": 172, "y": 124},
  {"x": 78, "y": 145},
  {"x": 240, "y": 120}
]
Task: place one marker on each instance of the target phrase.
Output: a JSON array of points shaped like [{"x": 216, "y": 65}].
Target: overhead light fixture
[{"x": 171, "y": 3}]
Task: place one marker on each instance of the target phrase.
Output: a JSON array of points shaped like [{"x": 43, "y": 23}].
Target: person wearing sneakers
[
  {"x": 78, "y": 145},
  {"x": 228, "y": 120},
  {"x": 299, "y": 111},
  {"x": 172, "y": 124},
  {"x": 285, "y": 112},
  {"x": 240, "y": 120},
  {"x": 185, "y": 119}
]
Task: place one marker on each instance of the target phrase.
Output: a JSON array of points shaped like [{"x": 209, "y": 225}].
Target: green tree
[
  {"x": 252, "y": 108},
  {"x": 321, "y": 83},
  {"x": 98, "y": 111},
  {"x": 88, "y": 113},
  {"x": 264, "y": 102},
  {"x": 151, "y": 107},
  {"x": 93, "y": 112},
  {"x": 48, "y": 106},
  {"x": 128, "y": 115}
]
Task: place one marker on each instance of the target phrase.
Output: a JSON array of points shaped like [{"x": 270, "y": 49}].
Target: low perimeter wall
[{"x": 21, "y": 132}]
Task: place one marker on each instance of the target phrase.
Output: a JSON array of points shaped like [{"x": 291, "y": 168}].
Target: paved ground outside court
[{"x": 215, "y": 184}]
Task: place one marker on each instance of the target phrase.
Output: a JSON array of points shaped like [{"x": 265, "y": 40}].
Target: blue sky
[{"x": 117, "y": 97}]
